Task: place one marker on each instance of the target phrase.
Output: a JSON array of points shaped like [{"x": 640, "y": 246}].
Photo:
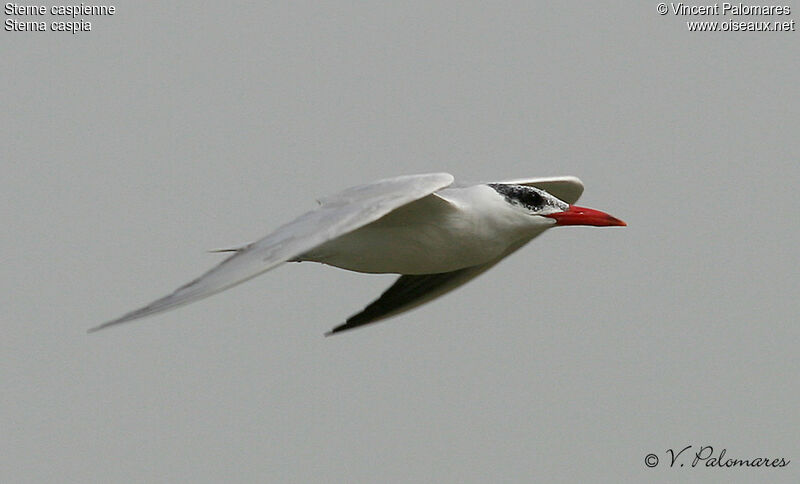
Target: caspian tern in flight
[{"x": 433, "y": 233}]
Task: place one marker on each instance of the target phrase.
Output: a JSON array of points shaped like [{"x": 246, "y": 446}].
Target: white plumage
[{"x": 436, "y": 235}]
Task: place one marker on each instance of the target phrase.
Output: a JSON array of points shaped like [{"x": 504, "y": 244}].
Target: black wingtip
[{"x": 337, "y": 329}]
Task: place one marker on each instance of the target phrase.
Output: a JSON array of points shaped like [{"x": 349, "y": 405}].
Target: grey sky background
[{"x": 175, "y": 127}]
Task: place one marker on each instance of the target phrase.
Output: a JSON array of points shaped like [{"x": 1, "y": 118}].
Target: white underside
[{"x": 432, "y": 235}]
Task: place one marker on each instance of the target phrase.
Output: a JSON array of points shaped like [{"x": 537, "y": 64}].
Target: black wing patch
[{"x": 408, "y": 292}]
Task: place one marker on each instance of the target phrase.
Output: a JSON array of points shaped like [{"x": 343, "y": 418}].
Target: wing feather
[
  {"x": 408, "y": 292},
  {"x": 342, "y": 213}
]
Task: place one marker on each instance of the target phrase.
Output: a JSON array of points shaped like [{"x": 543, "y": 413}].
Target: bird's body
[
  {"x": 436, "y": 236},
  {"x": 449, "y": 230}
]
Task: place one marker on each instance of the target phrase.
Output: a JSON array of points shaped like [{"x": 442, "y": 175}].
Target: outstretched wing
[
  {"x": 342, "y": 213},
  {"x": 566, "y": 188},
  {"x": 408, "y": 292}
]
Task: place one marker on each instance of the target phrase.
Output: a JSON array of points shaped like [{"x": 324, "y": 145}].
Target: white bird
[{"x": 436, "y": 235}]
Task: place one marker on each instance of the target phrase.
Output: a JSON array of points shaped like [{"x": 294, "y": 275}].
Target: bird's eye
[{"x": 533, "y": 199}]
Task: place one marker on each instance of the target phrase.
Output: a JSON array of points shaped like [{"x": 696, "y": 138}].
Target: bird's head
[{"x": 546, "y": 208}]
